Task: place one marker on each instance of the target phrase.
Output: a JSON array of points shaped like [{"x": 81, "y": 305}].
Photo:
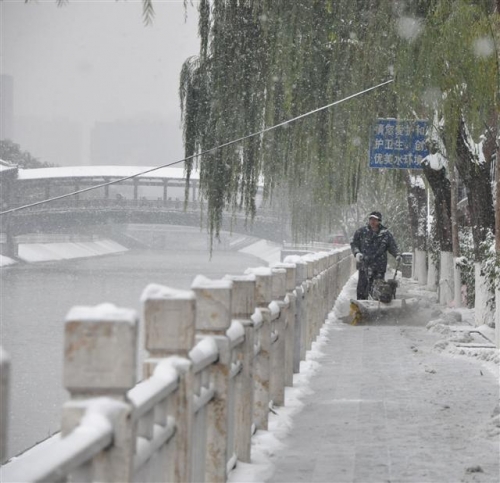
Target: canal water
[{"x": 35, "y": 299}]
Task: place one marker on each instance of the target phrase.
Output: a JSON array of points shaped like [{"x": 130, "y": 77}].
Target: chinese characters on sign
[{"x": 398, "y": 144}]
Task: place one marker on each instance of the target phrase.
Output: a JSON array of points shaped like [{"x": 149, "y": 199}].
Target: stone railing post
[
  {"x": 4, "y": 402},
  {"x": 300, "y": 310},
  {"x": 332, "y": 279},
  {"x": 327, "y": 275},
  {"x": 213, "y": 317},
  {"x": 320, "y": 264},
  {"x": 301, "y": 315},
  {"x": 263, "y": 297},
  {"x": 318, "y": 316},
  {"x": 169, "y": 324},
  {"x": 278, "y": 349},
  {"x": 290, "y": 329},
  {"x": 243, "y": 307},
  {"x": 347, "y": 266},
  {"x": 310, "y": 294},
  {"x": 321, "y": 292},
  {"x": 100, "y": 353}
]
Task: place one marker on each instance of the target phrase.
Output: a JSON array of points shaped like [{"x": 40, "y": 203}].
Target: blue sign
[{"x": 398, "y": 144}]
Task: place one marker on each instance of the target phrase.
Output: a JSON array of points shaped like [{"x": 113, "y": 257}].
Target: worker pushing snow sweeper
[
  {"x": 375, "y": 296},
  {"x": 370, "y": 245}
]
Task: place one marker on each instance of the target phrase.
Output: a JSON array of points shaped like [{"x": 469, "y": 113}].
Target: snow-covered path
[
  {"x": 383, "y": 407},
  {"x": 382, "y": 404}
]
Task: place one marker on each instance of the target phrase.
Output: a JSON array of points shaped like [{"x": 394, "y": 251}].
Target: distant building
[
  {"x": 6, "y": 107},
  {"x": 132, "y": 143},
  {"x": 57, "y": 141}
]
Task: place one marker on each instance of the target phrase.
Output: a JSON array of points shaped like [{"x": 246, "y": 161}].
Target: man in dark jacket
[{"x": 370, "y": 245}]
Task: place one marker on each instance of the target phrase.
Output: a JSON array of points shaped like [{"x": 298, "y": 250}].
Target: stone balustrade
[{"x": 219, "y": 357}]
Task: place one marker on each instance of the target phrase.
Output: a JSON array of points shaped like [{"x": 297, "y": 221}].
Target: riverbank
[
  {"x": 44, "y": 252},
  {"x": 67, "y": 250}
]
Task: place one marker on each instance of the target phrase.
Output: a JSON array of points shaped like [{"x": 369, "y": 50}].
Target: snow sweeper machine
[{"x": 382, "y": 306}]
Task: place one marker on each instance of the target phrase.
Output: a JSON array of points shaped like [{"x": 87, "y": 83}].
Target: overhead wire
[{"x": 196, "y": 155}]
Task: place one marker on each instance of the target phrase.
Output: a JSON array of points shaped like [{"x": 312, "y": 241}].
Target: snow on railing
[
  {"x": 219, "y": 356},
  {"x": 154, "y": 426}
]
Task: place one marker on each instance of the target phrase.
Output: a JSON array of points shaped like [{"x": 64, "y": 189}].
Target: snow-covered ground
[{"x": 457, "y": 338}]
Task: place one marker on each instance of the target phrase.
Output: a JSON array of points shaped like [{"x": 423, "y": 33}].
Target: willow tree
[{"x": 262, "y": 62}]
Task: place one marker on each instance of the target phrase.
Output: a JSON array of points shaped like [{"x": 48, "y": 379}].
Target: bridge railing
[
  {"x": 144, "y": 204},
  {"x": 219, "y": 356},
  {"x": 74, "y": 203}
]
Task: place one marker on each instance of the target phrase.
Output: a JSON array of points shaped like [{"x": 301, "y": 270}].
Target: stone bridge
[{"x": 157, "y": 197}]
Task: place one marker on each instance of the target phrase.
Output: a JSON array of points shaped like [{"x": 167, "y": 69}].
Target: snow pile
[
  {"x": 468, "y": 341},
  {"x": 460, "y": 336},
  {"x": 456, "y": 326},
  {"x": 343, "y": 302}
]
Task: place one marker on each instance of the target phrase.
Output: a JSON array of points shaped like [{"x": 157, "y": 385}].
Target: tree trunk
[
  {"x": 440, "y": 186},
  {"x": 477, "y": 179},
  {"x": 497, "y": 203},
  {"x": 497, "y": 244},
  {"x": 417, "y": 209}
]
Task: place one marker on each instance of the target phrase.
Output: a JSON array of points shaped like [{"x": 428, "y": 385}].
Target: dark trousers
[{"x": 365, "y": 283}]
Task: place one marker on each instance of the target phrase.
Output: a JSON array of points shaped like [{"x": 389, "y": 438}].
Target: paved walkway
[{"x": 385, "y": 406}]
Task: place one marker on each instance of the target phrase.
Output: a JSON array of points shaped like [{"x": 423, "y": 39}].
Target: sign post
[{"x": 398, "y": 144}]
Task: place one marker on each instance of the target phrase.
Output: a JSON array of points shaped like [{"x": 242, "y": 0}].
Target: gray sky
[{"x": 95, "y": 60}]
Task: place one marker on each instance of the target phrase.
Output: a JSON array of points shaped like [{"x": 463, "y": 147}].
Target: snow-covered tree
[{"x": 12, "y": 152}]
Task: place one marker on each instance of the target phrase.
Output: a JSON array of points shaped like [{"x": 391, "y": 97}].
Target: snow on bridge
[{"x": 111, "y": 172}]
